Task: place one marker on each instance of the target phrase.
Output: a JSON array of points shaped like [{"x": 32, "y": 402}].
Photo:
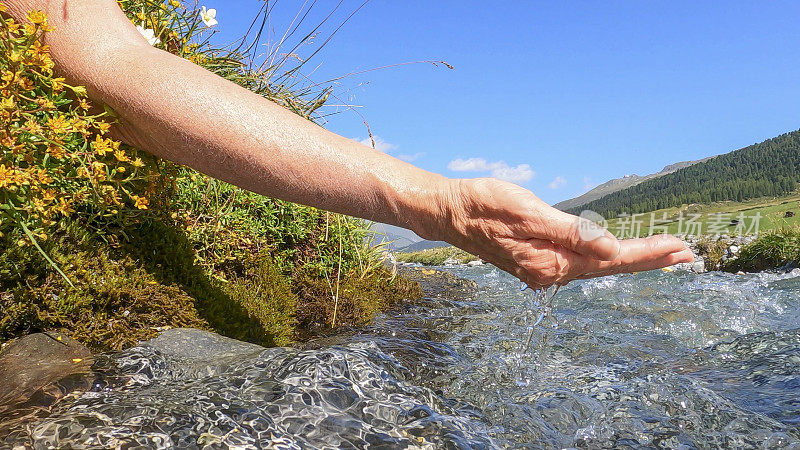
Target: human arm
[{"x": 179, "y": 111}]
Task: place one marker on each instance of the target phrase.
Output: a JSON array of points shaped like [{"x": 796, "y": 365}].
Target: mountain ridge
[{"x": 618, "y": 184}]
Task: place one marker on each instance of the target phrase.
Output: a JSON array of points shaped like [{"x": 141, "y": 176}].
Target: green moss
[
  {"x": 359, "y": 298},
  {"x": 150, "y": 279},
  {"x": 114, "y": 304},
  {"x": 769, "y": 251},
  {"x": 436, "y": 256}
]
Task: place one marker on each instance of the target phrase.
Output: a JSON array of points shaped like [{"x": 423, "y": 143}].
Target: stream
[{"x": 649, "y": 360}]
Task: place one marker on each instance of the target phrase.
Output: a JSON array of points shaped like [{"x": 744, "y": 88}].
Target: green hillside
[{"x": 768, "y": 169}]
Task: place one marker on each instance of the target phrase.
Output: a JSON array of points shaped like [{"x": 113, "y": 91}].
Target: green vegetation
[
  {"x": 732, "y": 218},
  {"x": 769, "y": 251},
  {"x": 767, "y": 169},
  {"x": 436, "y": 256},
  {"x": 109, "y": 245}
]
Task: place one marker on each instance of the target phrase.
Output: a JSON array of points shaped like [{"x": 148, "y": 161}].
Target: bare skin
[{"x": 179, "y": 111}]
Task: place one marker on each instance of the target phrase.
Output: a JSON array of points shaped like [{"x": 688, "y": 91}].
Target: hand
[{"x": 511, "y": 228}]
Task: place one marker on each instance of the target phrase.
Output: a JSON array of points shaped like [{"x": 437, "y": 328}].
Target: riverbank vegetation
[
  {"x": 110, "y": 245},
  {"x": 772, "y": 250},
  {"x": 760, "y": 215},
  {"x": 436, "y": 256}
]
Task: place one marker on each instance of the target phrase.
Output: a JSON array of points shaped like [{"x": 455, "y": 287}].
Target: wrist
[{"x": 428, "y": 210}]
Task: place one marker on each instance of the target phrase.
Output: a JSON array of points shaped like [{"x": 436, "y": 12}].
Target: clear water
[{"x": 659, "y": 360}]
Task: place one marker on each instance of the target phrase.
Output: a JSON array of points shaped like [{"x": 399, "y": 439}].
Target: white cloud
[
  {"x": 380, "y": 144},
  {"x": 408, "y": 158},
  {"x": 557, "y": 182},
  {"x": 588, "y": 184},
  {"x": 497, "y": 169}
]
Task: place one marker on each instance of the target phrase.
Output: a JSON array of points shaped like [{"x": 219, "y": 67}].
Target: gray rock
[
  {"x": 699, "y": 266},
  {"x": 477, "y": 262}
]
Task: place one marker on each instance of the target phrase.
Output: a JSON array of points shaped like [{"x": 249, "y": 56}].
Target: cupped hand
[{"x": 510, "y": 227}]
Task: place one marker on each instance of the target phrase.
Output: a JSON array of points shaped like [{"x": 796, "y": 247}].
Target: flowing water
[{"x": 661, "y": 360}]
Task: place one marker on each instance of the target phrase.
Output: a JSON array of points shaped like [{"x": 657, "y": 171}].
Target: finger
[
  {"x": 638, "y": 255},
  {"x": 642, "y": 266},
  {"x": 643, "y": 249},
  {"x": 579, "y": 235}
]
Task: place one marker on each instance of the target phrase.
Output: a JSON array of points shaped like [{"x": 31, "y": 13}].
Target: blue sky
[{"x": 556, "y": 96}]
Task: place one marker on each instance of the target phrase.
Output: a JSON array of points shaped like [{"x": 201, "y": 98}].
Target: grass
[
  {"x": 769, "y": 251},
  {"x": 715, "y": 218},
  {"x": 436, "y": 256}
]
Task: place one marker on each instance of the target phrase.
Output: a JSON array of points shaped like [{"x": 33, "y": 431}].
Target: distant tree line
[{"x": 770, "y": 168}]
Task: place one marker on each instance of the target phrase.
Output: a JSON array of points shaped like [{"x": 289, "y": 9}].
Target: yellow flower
[
  {"x": 59, "y": 124},
  {"x": 33, "y": 127},
  {"x": 56, "y": 151},
  {"x": 137, "y": 162},
  {"x": 45, "y": 103},
  {"x": 103, "y": 127},
  {"x": 64, "y": 207},
  {"x": 29, "y": 29},
  {"x": 140, "y": 202},
  {"x": 13, "y": 26},
  {"x": 38, "y": 17},
  {"x": 57, "y": 84},
  {"x": 25, "y": 83},
  {"x": 7, "y": 76},
  {"x": 101, "y": 146},
  {"x": 2, "y": 7},
  {"x": 84, "y": 105},
  {"x": 7, "y": 103},
  {"x": 8, "y": 176},
  {"x": 120, "y": 155},
  {"x": 175, "y": 3}
]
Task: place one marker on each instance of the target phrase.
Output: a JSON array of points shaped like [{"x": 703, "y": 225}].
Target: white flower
[
  {"x": 209, "y": 16},
  {"x": 148, "y": 34}
]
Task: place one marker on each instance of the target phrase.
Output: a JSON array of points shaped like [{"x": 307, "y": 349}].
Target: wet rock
[
  {"x": 37, "y": 371},
  {"x": 438, "y": 283},
  {"x": 477, "y": 262},
  {"x": 788, "y": 267},
  {"x": 699, "y": 266},
  {"x": 35, "y": 362}
]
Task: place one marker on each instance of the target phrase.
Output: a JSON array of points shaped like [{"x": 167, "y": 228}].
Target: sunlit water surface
[{"x": 672, "y": 360}]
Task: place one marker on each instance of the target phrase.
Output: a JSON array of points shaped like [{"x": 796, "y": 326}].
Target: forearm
[{"x": 179, "y": 111}]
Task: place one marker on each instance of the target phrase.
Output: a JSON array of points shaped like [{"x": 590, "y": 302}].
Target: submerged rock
[
  {"x": 35, "y": 362},
  {"x": 37, "y": 371}
]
